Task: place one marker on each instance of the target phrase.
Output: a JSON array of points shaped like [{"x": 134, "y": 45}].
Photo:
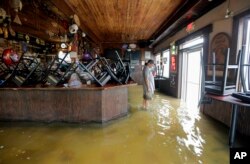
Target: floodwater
[{"x": 166, "y": 133}]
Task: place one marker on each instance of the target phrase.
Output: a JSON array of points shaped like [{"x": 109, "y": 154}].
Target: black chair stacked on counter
[
  {"x": 59, "y": 70},
  {"x": 96, "y": 70},
  {"x": 20, "y": 71},
  {"x": 103, "y": 70},
  {"x": 27, "y": 70},
  {"x": 118, "y": 69}
]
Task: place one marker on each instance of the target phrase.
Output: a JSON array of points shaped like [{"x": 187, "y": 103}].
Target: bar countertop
[{"x": 83, "y": 87}]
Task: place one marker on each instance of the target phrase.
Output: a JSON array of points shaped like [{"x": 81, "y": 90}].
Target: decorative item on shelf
[
  {"x": 86, "y": 56},
  {"x": 37, "y": 41},
  {"x": 65, "y": 39},
  {"x": 12, "y": 32},
  {"x": 5, "y": 32},
  {"x": 42, "y": 42},
  {"x": 27, "y": 38},
  {"x": 2, "y": 15},
  {"x": 20, "y": 36},
  {"x": 6, "y": 29},
  {"x": 124, "y": 46},
  {"x": 10, "y": 57},
  {"x": 63, "y": 45},
  {"x": 24, "y": 46}
]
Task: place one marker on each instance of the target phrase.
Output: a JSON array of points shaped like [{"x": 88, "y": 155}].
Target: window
[
  {"x": 192, "y": 42},
  {"x": 241, "y": 31},
  {"x": 246, "y": 56},
  {"x": 158, "y": 64},
  {"x": 165, "y": 63}
]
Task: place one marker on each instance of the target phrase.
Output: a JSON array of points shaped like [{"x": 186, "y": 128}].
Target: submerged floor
[{"x": 166, "y": 133}]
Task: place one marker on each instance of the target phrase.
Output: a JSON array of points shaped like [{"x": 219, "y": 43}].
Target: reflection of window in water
[{"x": 61, "y": 55}]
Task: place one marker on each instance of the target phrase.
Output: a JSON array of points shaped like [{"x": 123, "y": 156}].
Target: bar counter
[{"x": 85, "y": 104}]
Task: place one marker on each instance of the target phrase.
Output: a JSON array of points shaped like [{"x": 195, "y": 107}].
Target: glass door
[
  {"x": 191, "y": 77},
  {"x": 191, "y": 71}
]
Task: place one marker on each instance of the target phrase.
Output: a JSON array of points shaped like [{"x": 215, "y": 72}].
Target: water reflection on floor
[{"x": 166, "y": 133}]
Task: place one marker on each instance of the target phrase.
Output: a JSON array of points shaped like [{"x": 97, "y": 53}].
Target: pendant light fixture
[{"x": 229, "y": 13}]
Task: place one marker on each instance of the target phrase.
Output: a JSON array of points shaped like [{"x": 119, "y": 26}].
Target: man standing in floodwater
[{"x": 148, "y": 88}]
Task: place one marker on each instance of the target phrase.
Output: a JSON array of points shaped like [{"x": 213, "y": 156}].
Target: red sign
[
  {"x": 190, "y": 27},
  {"x": 173, "y": 64}
]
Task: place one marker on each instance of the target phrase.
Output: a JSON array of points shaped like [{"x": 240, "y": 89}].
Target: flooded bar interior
[{"x": 140, "y": 82}]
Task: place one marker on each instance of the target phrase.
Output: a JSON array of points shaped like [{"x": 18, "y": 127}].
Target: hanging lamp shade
[{"x": 132, "y": 45}]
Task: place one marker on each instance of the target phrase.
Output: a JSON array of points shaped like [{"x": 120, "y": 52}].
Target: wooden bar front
[{"x": 97, "y": 104}]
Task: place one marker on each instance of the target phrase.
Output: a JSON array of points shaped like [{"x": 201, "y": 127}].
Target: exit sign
[{"x": 190, "y": 27}]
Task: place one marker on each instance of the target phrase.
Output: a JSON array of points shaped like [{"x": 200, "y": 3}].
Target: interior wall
[{"x": 216, "y": 17}]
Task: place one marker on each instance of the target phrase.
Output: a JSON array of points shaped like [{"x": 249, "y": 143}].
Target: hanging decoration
[
  {"x": 17, "y": 6},
  {"x": 132, "y": 46},
  {"x": 73, "y": 29},
  {"x": 2, "y": 15},
  {"x": 76, "y": 20}
]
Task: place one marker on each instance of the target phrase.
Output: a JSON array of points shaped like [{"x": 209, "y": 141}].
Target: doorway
[{"x": 191, "y": 72}]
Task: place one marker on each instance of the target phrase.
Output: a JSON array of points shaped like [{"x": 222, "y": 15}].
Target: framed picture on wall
[
  {"x": 219, "y": 45},
  {"x": 147, "y": 55}
]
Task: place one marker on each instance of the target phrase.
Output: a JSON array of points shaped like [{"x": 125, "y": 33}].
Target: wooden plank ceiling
[
  {"x": 123, "y": 20},
  {"x": 104, "y": 21}
]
